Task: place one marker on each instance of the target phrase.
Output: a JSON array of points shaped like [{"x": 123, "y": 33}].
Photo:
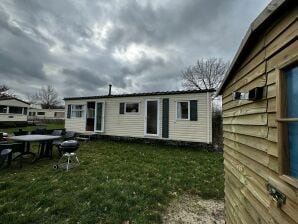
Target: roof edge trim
[{"x": 264, "y": 16}]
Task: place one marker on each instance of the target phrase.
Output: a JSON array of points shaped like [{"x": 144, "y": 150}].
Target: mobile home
[
  {"x": 13, "y": 110},
  {"x": 46, "y": 114},
  {"x": 176, "y": 115},
  {"x": 260, "y": 115}
]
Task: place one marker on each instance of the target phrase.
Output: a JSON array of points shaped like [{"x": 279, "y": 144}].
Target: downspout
[{"x": 208, "y": 118}]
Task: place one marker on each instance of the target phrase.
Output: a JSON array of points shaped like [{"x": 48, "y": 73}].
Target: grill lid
[{"x": 70, "y": 144}]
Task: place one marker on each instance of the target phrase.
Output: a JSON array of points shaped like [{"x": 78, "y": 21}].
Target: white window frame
[
  {"x": 131, "y": 103},
  {"x": 188, "y": 104},
  {"x": 76, "y": 110},
  {"x": 283, "y": 155},
  {"x": 103, "y": 117}
]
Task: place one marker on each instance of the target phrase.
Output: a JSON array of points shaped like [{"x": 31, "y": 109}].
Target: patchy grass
[
  {"x": 30, "y": 128},
  {"x": 116, "y": 182}
]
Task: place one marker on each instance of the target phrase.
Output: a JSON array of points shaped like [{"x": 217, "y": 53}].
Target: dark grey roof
[
  {"x": 12, "y": 98},
  {"x": 270, "y": 13},
  {"x": 141, "y": 94}
]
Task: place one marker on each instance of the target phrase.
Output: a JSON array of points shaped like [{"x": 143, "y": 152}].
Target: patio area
[{"x": 116, "y": 182}]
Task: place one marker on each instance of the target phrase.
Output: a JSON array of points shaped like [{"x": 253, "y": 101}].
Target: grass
[
  {"x": 30, "y": 128},
  {"x": 116, "y": 182}
]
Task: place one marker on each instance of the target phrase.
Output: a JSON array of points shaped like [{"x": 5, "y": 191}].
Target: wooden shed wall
[{"x": 250, "y": 131}]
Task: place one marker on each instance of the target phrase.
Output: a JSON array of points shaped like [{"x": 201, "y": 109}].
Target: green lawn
[
  {"x": 116, "y": 182},
  {"x": 30, "y": 128}
]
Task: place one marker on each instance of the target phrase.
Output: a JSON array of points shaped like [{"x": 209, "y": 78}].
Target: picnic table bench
[{"x": 86, "y": 136}]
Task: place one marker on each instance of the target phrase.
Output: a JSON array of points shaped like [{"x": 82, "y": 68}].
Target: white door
[
  {"x": 99, "y": 117},
  {"x": 152, "y": 117}
]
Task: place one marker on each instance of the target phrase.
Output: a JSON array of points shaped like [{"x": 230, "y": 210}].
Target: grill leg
[
  {"x": 59, "y": 161},
  {"x": 77, "y": 160},
  {"x": 67, "y": 164}
]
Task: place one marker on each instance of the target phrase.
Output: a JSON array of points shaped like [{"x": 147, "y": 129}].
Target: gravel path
[{"x": 193, "y": 209}]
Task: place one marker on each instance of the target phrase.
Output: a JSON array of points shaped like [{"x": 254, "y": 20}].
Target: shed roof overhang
[{"x": 257, "y": 27}]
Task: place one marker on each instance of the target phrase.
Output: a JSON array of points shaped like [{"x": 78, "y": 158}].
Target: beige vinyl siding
[
  {"x": 133, "y": 124},
  {"x": 127, "y": 124},
  {"x": 250, "y": 133},
  {"x": 12, "y": 117},
  {"x": 75, "y": 124},
  {"x": 186, "y": 130},
  {"x": 49, "y": 113}
]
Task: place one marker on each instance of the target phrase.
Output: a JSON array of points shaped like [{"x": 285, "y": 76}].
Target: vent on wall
[{"x": 253, "y": 94}]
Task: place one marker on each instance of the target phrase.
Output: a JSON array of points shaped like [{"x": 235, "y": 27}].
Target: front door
[
  {"x": 99, "y": 117},
  {"x": 90, "y": 116},
  {"x": 151, "y": 117}
]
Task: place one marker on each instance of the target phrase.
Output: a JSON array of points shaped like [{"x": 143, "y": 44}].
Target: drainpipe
[{"x": 208, "y": 118}]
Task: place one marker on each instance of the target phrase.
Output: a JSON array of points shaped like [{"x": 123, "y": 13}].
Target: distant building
[
  {"x": 46, "y": 114},
  {"x": 13, "y": 110}
]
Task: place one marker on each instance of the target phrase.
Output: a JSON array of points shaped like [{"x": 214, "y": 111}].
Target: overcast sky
[{"x": 80, "y": 46}]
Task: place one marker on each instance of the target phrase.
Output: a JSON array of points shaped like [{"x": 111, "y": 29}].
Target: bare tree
[
  {"x": 205, "y": 74},
  {"x": 46, "y": 96},
  {"x": 32, "y": 98},
  {"x": 3, "y": 88},
  {"x": 4, "y": 91},
  {"x": 208, "y": 74}
]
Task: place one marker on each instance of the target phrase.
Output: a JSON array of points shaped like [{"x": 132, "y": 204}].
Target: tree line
[{"x": 203, "y": 75}]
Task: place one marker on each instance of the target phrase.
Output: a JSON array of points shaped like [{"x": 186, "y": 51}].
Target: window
[
  {"x": 41, "y": 113},
  {"x": 59, "y": 114},
  {"x": 77, "y": 110},
  {"x": 15, "y": 110},
  {"x": 32, "y": 113},
  {"x": 25, "y": 111},
  {"x": 287, "y": 117},
  {"x": 183, "y": 110},
  {"x": 91, "y": 110},
  {"x": 3, "y": 109},
  {"x": 131, "y": 107}
]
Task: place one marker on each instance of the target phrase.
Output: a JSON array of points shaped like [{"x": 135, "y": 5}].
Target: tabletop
[{"x": 33, "y": 138}]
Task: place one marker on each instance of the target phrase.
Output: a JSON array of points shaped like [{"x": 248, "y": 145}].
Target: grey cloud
[
  {"x": 83, "y": 77},
  {"x": 54, "y": 42},
  {"x": 24, "y": 62},
  {"x": 145, "y": 64},
  {"x": 167, "y": 24}
]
